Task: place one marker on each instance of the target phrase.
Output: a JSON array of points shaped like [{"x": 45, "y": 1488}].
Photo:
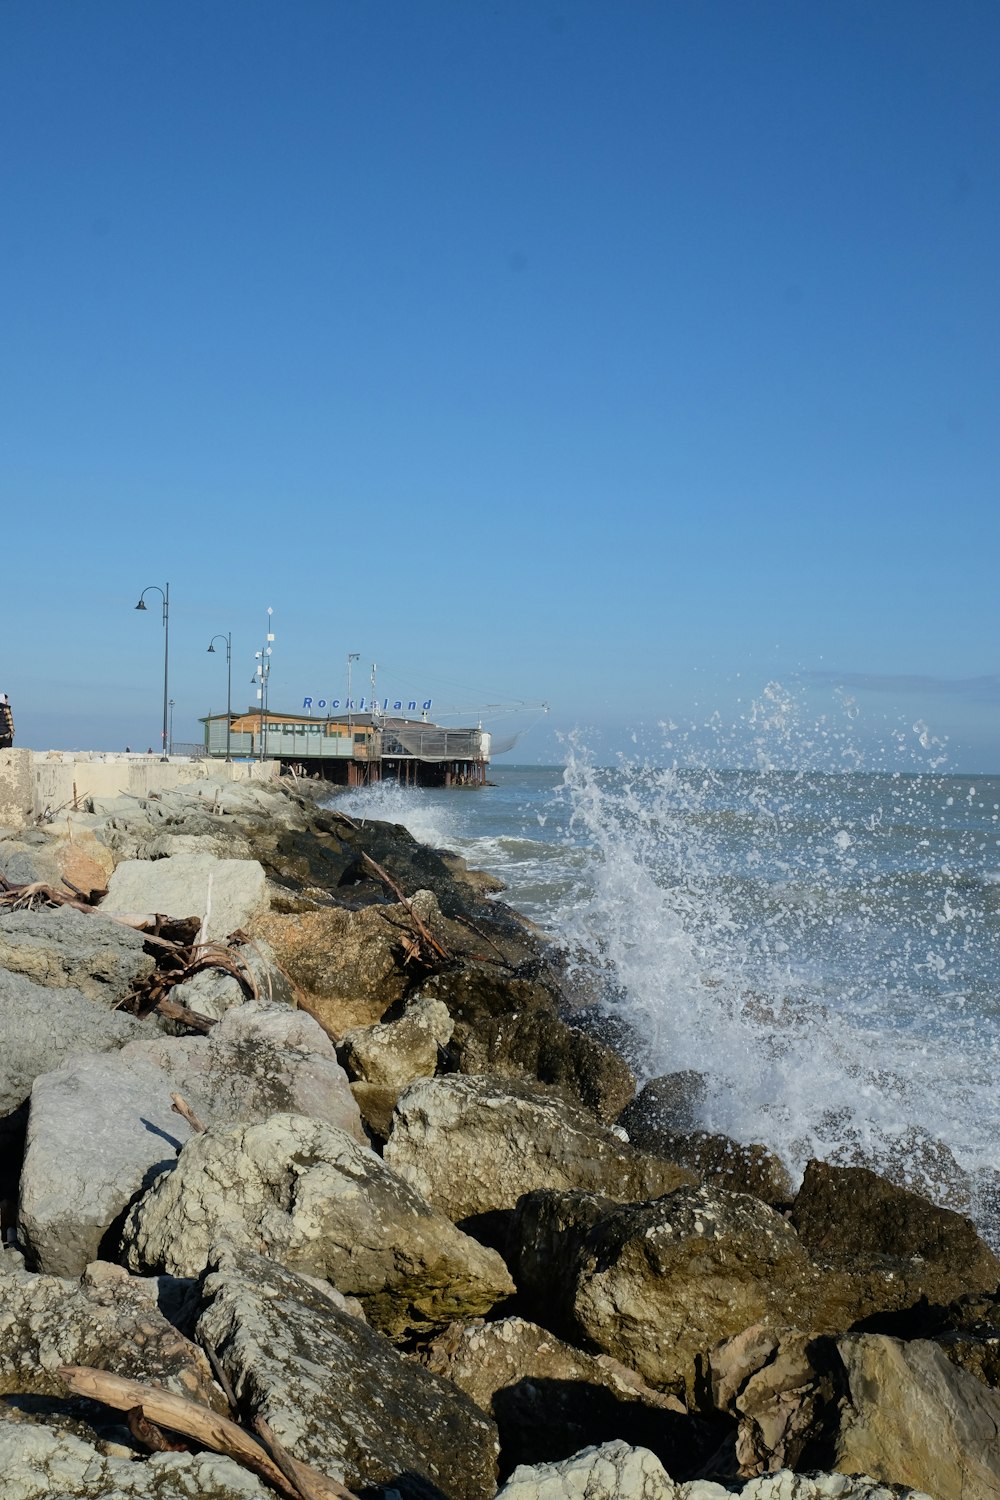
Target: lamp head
[
  {"x": 211, "y": 648},
  {"x": 141, "y": 604}
]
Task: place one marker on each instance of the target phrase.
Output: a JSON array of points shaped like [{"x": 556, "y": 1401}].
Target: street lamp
[
  {"x": 229, "y": 682},
  {"x": 171, "y": 742},
  {"x": 165, "y": 595}
]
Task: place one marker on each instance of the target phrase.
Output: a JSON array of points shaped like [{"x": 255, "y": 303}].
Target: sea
[{"x": 820, "y": 944}]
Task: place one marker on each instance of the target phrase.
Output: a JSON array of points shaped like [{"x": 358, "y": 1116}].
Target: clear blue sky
[{"x": 624, "y": 355}]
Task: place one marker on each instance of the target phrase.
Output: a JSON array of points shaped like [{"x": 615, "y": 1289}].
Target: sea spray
[{"x": 818, "y": 945}]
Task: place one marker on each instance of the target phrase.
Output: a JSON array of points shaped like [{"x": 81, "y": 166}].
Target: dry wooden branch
[
  {"x": 175, "y": 1011},
  {"x": 181, "y": 1107},
  {"x": 180, "y": 1415},
  {"x": 421, "y": 927},
  {"x": 310, "y": 1483}
]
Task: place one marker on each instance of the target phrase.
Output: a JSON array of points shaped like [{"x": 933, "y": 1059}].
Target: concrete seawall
[{"x": 33, "y": 782}]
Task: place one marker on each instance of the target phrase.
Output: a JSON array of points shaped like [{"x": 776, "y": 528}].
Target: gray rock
[
  {"x": 310, "y": 1197},
  {"x": 100, "y": 1128},
  {"x": 226, "y": 893},
  {"x": 258, "y": 1061},
  {"x": 108, "y": 1320},
  {"x": 66, "y": 948},
  {"x": 473, "y": 1145},
  {"x": 43, "y": 1027},
  {"x": 379, "y": 1420},
  {"x": 40, "y": 1464},
  {"x": 394, "y": 1053},
  {"x": 212, "y": 992}
]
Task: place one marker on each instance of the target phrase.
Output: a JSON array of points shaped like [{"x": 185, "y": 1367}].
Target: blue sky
[{"x": 628, "y": 356}]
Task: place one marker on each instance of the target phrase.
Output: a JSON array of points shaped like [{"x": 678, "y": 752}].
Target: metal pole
[
  {"x": 229, "y": 691},
  {"x": 165, "y": 596},
  {"x": 171, "y": 742}
]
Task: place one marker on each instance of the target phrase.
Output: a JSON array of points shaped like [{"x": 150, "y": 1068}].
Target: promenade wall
[{"x": 33, "y": 782}]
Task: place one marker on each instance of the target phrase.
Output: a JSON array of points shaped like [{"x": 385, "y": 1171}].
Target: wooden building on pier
[{"x": 354, "y": 749}]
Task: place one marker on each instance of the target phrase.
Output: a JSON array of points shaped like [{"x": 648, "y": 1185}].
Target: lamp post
[
  {"x": 165, "y": 595},
  {"x": 170, "y": 749},
  {"x": 229, "y": 682}
]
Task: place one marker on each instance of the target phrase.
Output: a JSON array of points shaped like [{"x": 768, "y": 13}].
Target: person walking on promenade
[{"x": 6, "y": 723}]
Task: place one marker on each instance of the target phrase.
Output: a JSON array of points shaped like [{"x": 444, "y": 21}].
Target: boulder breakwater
[{"x": 321, "y": 1176}]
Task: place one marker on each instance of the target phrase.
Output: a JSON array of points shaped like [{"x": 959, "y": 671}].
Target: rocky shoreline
[{"x": 317, "y": 1175}]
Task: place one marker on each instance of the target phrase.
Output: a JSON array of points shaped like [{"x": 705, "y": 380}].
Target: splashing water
[
  {"x": 819, "y": 946},
  {"x": 816, "y": 936}
]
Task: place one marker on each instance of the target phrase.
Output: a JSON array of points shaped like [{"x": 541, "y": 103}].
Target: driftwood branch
[
  {"x": 421, "y": 927},
  {"x": 180, "y": 1415},
  {"x": 310, "y": 1483},
  {"x": 181, "y": 1107},
  {"x": 151, "y": 1436}
]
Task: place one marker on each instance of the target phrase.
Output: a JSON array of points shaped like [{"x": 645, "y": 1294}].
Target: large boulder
[
  {"x": 649, "y": 1120},
  {"x": 335, "y": 1392},
  {"x": 398, "y": 1051},
  {"x": 107, "y": 1320},
  {"x": 656, "y": 1284},
  {"x": 549, "y": 1399},
  {"x": 912, "y": 1418},
  {"x": 474, "y": 1145},
  {"x": 100, "y": 1128},
  {"x": 862, "y": 1403},
  {"x": 854, "y": 1221},
  {"x": 615, "y": 1471},
  {"x": 310, "y": 1197},
  {"x": 70, "y": 949},
  {"x": 258, "y": 1061},
  {"x": 213, "y": 991},
  {"x": 43, "y": 1027},
  {"x": 38, "y": 1463},
  {"x": 226, "y": 893}
]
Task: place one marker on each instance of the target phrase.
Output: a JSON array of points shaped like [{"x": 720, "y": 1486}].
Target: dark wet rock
[
  {"x": 717, "y": 1159},
  {"x": 510, "y": 1027},
  {"x": 545, "y": 1238},
  {"x": 312, "y": 1198},
  {"x": 674, "y": 1102},
  {"x": 474, "y": 1145},
  {"x": 335, "y": 1392},
  {"x": 854, "y": 1221}
]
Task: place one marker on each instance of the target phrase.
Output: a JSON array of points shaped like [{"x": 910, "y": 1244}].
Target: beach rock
[
  {"x": 258, "y": 1061},
  {"x": 508, "y": 1027},
  {"x": 549, "y": 1399},
  {"x": 310, "y": 1197},
  {"x": 335, "y": 1392},
  {"x": 107, "y": 1320},
  {"x": 42, "y": 1027},
  {"x": 673, "y": 1102},
  {"x": 377, "y": 1103},
  {"x": 545, "y": 1237},
  {"x": 226, "y": 893},
  {"x": 474, "y": 1145},
  {"x": 38, "y": 1463},
  {"x": 396, "y": 1052},
  {"x": 70, "y": 949},
  {"x": 851, "y": 1219},
  {"x": 912, "y": 1418},
  {"x": 213, "y": 992},
  {"x": 779, "y": 1385},
  {"x": 100, "y": 1128},
  {"x": 657, "y": 1284},
  {"x": 615, "y": 1471},
  {"x": 347, "y": 967}
]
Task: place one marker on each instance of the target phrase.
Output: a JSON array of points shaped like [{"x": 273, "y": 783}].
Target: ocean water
[{"x": 821, "y": 945}]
